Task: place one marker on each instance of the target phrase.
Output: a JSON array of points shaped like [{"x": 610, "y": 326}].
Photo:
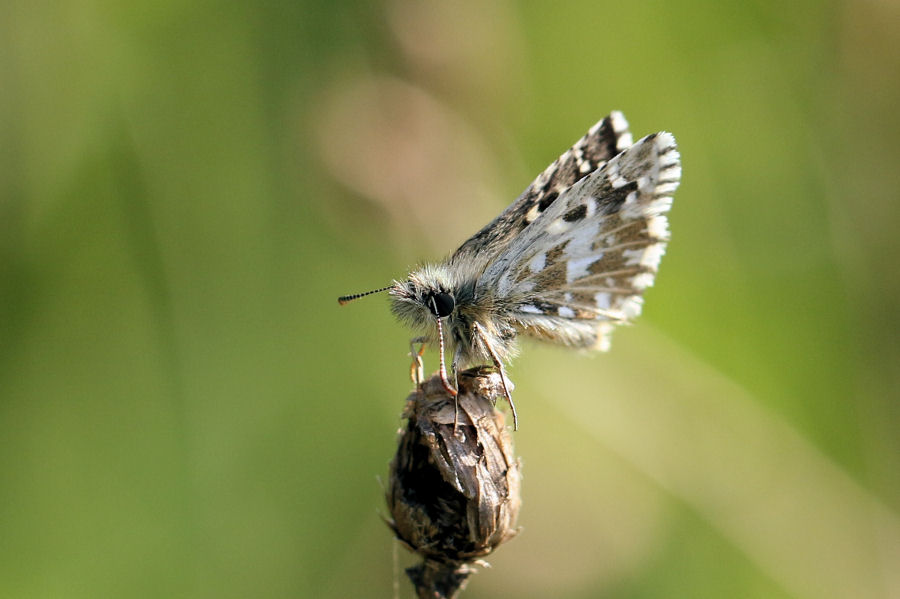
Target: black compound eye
[{"x": 441, "y": 304}]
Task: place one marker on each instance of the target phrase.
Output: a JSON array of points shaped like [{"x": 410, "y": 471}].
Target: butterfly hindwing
[{"x": 582, "y": 264}]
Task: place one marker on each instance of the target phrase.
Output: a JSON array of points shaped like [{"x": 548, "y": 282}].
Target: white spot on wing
[
  {"x": 620, "y": 127},
  {"x": 603, "y": 331},
  {"x": 580, "y": 243},
  {"x": 529, "y": 309},
  {"x": 631, "y": 306},
  {"x": 642, "y": 281},
  {"x": 566, "y": 312},
  {"x": 657, "y": 227},
  {"x": 538, "y": 263},
  {"x": 558, "y": 226},
  {"x": 577, "y": 268},
  {"x": 615, "y": 179},
  {"x": 672, "y": 171},
  {"x": 659, "y": 205},
  {"x": 602, "y": 300},
  {"x": 652, "y": 255},
  {"x": 665, "y": 140}
]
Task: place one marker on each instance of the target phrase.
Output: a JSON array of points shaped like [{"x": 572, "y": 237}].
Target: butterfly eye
[{"x": 441, "y": 304}]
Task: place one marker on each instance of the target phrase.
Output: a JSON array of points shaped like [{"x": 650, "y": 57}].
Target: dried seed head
[{"x": 454, "y": 496}]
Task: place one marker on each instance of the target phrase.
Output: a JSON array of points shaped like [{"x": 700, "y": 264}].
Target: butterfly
[{"x": 565, "y": 263}]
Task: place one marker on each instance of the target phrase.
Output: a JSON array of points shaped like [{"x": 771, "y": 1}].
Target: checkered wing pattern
[{"x": 582, "y": 263}]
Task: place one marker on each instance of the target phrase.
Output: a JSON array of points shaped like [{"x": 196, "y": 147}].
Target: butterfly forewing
[
  {"x": 603, "y": 141},
  {"x": 584, "y": 262}
]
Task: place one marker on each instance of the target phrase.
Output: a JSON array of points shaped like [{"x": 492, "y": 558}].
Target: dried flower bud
[{"x": 453, "y": 490}]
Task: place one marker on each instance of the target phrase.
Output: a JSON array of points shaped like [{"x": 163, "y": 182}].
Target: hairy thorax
[{"x": 475, "y": 322}]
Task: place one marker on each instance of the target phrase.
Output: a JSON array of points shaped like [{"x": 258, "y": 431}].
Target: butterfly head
[{"x": 426, "y": 296}]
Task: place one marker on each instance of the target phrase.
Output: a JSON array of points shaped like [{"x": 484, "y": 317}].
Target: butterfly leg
[
  {"x": 499, "y": 366},
  {"x": 444, "y": 380},
  {"x": 416, "y": 369},
  {"x": 454, "y": 367}
]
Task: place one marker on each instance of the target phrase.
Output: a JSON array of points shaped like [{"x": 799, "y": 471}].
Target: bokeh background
[{"x": 186, "y": 187}]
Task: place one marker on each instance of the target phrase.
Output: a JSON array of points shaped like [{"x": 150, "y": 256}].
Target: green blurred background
[{"x": 185, "y": 188}]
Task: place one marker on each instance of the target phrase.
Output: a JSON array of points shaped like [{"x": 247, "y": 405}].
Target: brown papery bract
[{"x": 453, "y": 491}]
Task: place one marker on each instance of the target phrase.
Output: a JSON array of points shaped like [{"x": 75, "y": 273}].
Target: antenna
[{"x": 347, "y": 298}]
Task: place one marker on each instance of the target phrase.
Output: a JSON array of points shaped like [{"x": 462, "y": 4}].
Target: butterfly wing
[
  {"x": 603, "y": 141},
  {"x": 582, "y": 265}
]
